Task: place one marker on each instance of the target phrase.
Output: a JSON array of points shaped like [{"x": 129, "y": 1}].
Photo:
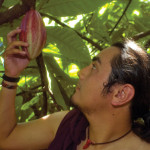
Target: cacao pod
[{"x": 33, "y": 31}]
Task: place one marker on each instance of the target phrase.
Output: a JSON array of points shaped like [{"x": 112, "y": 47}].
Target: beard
[
  {"x": 86, "y": 110},
  {"x": 74, "y": 104}
]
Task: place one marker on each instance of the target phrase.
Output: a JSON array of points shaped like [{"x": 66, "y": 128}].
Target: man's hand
[{"x": 15, "y": 60}]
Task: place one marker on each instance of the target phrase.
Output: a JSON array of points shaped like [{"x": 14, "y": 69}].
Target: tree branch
[
  {"x": 16, "y": 11},
  {"x": 147, "y": 45},
  {"x": 32, "y": 90},
  {"x": 44, "y": 81},
  {"x": 141, "y": 35},
  {"x": 1, "y": 2},
  {"x": 120, "y": 17},
  {"x": 96, "y": 45},
  {"x": 59, "y": 108}
]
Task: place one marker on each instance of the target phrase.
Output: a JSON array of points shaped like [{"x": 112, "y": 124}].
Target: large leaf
[
  {"x": 71, "y": 46},
  {"x": 9, "y": 3},
  {"x": 6, "y": 28},
  {"x": 56, "y": 91},
  {"x": 71, "y": 7},
  {"x": 98, "y": 29},
  {"x": 139, "y": 26},
  {"x": 66, "y": 82}
]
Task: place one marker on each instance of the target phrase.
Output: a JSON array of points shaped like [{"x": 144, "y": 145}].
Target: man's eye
[{"x": 93, "y": 66}]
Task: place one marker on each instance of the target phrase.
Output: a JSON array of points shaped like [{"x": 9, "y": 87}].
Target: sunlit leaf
[
  {"x": 148, "y": 50},
  {"x": 73, "y": 70},
  {"x": 71, "y": 7},
  {"x": 56, "y": 91}
]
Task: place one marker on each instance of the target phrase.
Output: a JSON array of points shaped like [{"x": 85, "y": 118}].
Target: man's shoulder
[
  {"x": 56, "y": 117},
  {"x": 140, "y": 143},
  {"x": 144, "y": 146}
]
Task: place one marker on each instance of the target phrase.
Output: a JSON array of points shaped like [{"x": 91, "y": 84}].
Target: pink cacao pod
[{"x": 33, "y": 31}]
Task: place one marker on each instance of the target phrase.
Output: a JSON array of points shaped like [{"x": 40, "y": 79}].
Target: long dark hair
[{"x": 132, "y": 66}]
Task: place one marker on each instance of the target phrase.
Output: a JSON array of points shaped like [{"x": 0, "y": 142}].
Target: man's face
[{"x": 88, "y": 95}]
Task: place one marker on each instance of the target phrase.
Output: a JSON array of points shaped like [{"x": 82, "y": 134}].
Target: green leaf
[
  {"x": 6, "y": 28},
  {"x": 30, "y": 103},
  {"x": 56, "y": 91},
  {"x": 117, "y": 35},
  {"x": 97, "y": 29},
  {"x": 71, "y": 46},
  {"x": 139, "y": 26},
  {"x": 72, "y": 7},
  {"x": 66, "y": 82}
]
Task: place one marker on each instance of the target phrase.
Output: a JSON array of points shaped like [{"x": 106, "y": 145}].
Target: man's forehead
[{"x": 107, "y": 54}]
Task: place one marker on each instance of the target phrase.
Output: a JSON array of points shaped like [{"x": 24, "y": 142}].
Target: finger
[
  {"x": 17, "y": 44},
  {"x": 14, "y": 38},
  {"x": 12, "y": 34},
  {"x": 14, "y": 52}
]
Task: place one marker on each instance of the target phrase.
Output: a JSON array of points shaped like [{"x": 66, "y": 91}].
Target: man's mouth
[{"x": 78, "y": 86}]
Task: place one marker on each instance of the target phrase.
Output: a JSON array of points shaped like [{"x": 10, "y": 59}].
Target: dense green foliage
[{"x": 76, "y": 31}]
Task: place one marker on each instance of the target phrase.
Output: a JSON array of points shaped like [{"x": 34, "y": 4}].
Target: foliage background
[{"x": 76, "y": 31}]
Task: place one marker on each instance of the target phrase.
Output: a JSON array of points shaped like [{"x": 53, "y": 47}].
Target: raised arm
[{"x": 32, "y": 135}]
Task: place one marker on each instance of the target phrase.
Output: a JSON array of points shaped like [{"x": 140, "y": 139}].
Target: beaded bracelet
[
  {"x": 10, "y": 79},
  {"x": 8, "y": 86}
]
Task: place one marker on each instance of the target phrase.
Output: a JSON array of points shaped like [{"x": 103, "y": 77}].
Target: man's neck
[{"x": 104, "y": 128}]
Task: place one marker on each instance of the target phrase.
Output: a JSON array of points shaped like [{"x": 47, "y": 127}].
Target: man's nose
[{"x": 83, "y": 73}]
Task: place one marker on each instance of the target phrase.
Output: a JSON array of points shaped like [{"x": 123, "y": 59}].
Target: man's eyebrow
[{"x": 96, "y": 58}]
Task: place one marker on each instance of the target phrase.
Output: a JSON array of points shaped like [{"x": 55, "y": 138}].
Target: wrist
[
  {"x": 10, "y": 79},
  {"x": 9, "y": 85},
  {"x": 11, "y": 74}
]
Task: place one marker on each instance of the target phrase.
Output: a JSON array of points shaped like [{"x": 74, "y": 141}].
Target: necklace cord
[
  {"x": 89, "y": 142},
  {"x": 93, "y": 143}
]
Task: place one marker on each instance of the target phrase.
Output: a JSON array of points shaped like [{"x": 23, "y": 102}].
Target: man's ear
[{"x": 122, "y": 94}]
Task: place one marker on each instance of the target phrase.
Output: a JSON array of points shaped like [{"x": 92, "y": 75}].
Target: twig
[
  {"x": 54, "y": 100},
  {"x": 32, "y": 90},
  {"x": 1, "y": 2},
  {"x": 147, "y": 45},
  {"x": 141, "y": 35},
  {"x": 120, "y": 17},
  {"x": 96, "y": 45},
  {"x": 16, "y": 11},
  {"x": 44, "y": 81}
]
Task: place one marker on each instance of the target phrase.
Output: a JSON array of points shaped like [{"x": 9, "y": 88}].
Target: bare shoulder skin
[
  {"x": 140, "y": 144},
  {"x": 37, "y": 134}
]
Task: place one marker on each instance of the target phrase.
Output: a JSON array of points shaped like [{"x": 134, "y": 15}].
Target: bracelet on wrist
[
  {"x": 10, "y": 79},
  {"x": 8, "y": 86}
]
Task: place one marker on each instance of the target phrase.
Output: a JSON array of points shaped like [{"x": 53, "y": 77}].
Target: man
[{"x": 112, "y": 94}]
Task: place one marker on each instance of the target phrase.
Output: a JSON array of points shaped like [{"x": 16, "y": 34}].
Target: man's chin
[{"x": 75, "y": 101}]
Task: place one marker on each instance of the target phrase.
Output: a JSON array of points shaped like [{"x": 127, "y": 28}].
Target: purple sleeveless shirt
[{"x": 71, "y": 131}]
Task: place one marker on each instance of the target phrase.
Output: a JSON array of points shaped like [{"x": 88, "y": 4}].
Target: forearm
[{"x": 7, "y": 111}]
